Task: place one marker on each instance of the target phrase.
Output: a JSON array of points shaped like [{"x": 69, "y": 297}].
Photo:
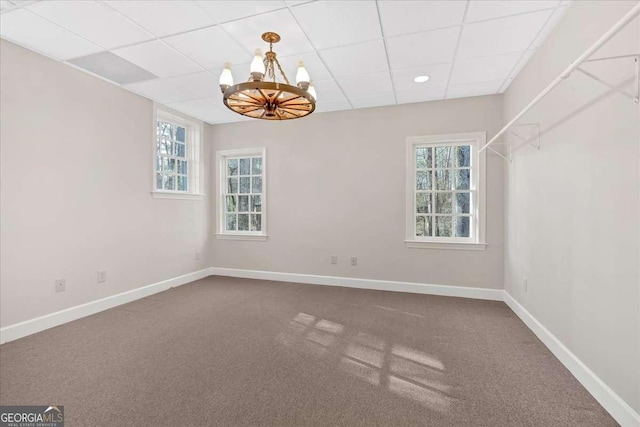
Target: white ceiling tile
[
  {"x": 373, "y": 101},
  {"x": 415, "y": 50},
  {"x": 158, "y": 58},
  {"x": 163, "y": 18},
  {"x": 210, "y": 47},
  {"x": 34, "y": 32},
  {"x": 296, "y": 2},
  {"x": 204, "y": 109},
  {"x": 161, "y": 90},
  {"x": 224, "y": 11},
  {"x": 526, "y": 56},
  {"x": 348, "y": 22},
  {"x": 92, "y": 20},
  {"x": 312, "y": 62},
  {"x": 438, "y": 77},
  {"x": 482, "y": 10},
  {"x": 548, "y": 27},
  {"x": 422, "y": 95},
  {"x": 326, "y": 106},
  {"x": 328, "y": 90},
  {"x": 357, "y": 59},
  {"x": 474, "y": 89},
  {"x": 504, "y": 35},
  {"x": 248, "y": 32},
  {"x": 405, "y": 17},
  {"x": 367, "y": 85},
  {"x": 201, "y": 85},
  {"x": 484, "y": 69}
]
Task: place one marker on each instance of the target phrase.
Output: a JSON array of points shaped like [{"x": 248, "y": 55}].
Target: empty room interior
[{"x": 319, "y": 213}]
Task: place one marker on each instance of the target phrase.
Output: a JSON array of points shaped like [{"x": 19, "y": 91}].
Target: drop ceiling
[{"x": 359, "y": 54}]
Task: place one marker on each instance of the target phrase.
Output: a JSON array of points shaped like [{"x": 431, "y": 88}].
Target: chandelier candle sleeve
[{"x": 268, "y": 95}]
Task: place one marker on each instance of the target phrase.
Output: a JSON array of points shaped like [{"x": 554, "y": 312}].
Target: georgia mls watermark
[{"x": 31, "y": 416}]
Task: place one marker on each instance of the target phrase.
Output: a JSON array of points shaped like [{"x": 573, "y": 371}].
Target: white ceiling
[{"x": 360, "y": 54}]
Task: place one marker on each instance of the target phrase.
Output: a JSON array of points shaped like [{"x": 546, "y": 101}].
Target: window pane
[
  {"x": 443, "y": 226},
  {"x": 169, "y": 182},
  {"x": 243, "y": 204},
  {"x": 243, "y": 222},
  {"x": 256, "y": 166},
  {"x": 463, "y": 203},
  {"x": 462, "y": 179},
  {"x": 232, "y": 185},
  {"x": 444, "y": 157},
  {"x": 166, "y": 146},
  {"x": 182, "y": 167},
  {"x": 158, "y": 163},
  {"x": 424, "y": 225},
  {"x": 232, "y": 167},
  {"x": 232, "y": 203},
  {"x": 256, "y": 184},
  {"x": 424, "y": 157},
  {"x": 423, "y": 203},
  {"x": 256, "y": 222},
  {"x": 443, "y": 180},
  {"x": 165, "y": 129},
  {"x": 244, "y": 166},
  {"x": 443, "y": 202},
  {"x": 180, "y": 133},
  {"x": 423, "y": 180},
  {"x": 182, "y": 183},
  {"x": 256, "y": 203},
  {"x": 169, "y": 165},
  {"x": 462, "y": 226},
  {"x": 181, "y": 150},
  {"x": 463, "y": 156},
  {"x": 159, "y": 181},
  {"x": 231, "y": 222},
  {"x": 245, "y": 182}
]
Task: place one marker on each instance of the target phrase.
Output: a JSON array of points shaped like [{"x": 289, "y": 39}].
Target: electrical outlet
[
  {"x": 198, "y": 256},
  {"x": 526, "y": 284},
  {"x": 334, "y": 259},
  {"x": 102, "y": 276},
  {"x": 61, "y": 285},
  {"x": 354, "y": 261}
]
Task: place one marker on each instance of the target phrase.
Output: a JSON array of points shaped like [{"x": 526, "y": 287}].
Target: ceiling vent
[{"x": 112, "y": 67}]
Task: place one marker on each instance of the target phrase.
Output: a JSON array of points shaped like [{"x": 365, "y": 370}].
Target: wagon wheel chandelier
[{"x": 263, "y": 96}]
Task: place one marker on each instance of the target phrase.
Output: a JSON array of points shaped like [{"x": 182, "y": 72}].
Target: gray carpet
[{"x": 236, "y": 352}]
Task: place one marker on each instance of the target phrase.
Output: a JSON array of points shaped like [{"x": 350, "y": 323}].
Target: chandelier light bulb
[
  {"x": 226, "y": 78},
  {"x": 302, "y": 77},
  {"x": 257, "y": 66},
  {"x": 312, "y": 91}
]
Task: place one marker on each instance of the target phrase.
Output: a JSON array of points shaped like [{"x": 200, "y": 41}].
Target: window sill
[
  {"x": 176, "y": 195},
  {"x": 418, "y": 244},
  {"x": 253, "y": 237}
]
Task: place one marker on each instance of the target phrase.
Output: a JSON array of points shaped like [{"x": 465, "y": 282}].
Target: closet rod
[{"x": 628, "y": 17}]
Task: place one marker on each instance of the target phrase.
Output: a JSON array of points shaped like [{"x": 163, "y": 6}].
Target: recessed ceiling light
[{"x": 421, "y": 79}]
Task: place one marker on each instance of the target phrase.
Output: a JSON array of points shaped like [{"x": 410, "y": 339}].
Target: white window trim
[
  {"x": 194, "y": 152},
  {"x": 221, "y": 232},
  {"x": 476, "y": 140}
]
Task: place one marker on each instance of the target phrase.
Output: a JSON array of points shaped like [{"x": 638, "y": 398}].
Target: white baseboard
[
  {"x": 28, "y": 327},
  {"x": 614, "y": 404},
  {"x": 349, "y": 282}
]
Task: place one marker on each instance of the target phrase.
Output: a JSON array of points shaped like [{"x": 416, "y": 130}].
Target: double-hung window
[
  {"x": 446, "y": 191},
  {"x": 241, "y": 194},
  {"x": 177, "y": 156}
]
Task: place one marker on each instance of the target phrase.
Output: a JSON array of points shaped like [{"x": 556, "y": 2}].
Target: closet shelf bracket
[{"x": 635, "y": 97}]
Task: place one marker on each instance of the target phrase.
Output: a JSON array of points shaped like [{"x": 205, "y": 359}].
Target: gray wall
[
  {"x": 336, "y": 186},
  {"x": 573, "y": 209},
  {"x": 76, "y": 164}
]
